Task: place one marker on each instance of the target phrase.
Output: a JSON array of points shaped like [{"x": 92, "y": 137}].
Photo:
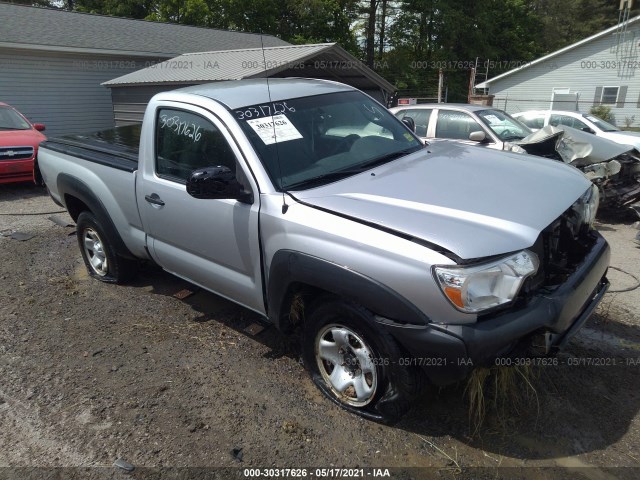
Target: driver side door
[{"x": 212, "y": 243}]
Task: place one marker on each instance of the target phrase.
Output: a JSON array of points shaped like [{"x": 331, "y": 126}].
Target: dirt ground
[{"x": 91, "y": 373}]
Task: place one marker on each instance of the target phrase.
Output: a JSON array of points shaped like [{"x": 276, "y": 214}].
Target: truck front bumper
[{"x": 449, "y": 352}]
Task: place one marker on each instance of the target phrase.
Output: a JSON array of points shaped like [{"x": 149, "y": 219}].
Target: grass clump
[{"x": 501, "y": 391}]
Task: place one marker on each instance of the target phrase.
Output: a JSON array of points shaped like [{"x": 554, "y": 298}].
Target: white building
[{"x": 603, "y": 69}]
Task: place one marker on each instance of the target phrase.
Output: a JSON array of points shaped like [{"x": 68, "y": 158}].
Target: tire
[
  {"x": 99, "y": 253},
  {"x": 354, "y": 362}
]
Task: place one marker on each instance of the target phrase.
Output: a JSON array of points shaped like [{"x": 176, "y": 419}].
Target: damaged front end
[
  {"x": 613, "y": 167},
  {"x": 571, "y": 280}
]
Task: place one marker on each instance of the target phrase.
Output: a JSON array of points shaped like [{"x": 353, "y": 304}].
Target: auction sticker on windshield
[
  {"x": 275, "y": 128},
  {"x": 492, "y": 119}
]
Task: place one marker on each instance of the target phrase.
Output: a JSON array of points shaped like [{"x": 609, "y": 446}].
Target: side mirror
[
  {"x": 410, "y": 123},
  {"x": 478, "y": 136},
  {"x": 217, "y": 183},
  {"x": 39, "y": 126},
  {"x": 588, "y": 130}
]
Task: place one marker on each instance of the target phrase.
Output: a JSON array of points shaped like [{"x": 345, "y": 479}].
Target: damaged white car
[{"x": 613, "y": 167}]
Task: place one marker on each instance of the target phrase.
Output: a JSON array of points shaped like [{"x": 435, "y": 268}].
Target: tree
[
  {"x": 407, "y": 41},
  {"x": 138, "y": 9},
  {"x": 567, "y": 22},
  {"x": 33, "y": 3},
  {"x": 433, "y": 34}
]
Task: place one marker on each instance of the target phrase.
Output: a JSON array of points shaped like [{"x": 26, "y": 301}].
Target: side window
[
  {"x": 456, "y": 125},
  {"x": 580, "y": 125},
  {"x": 556, "y": 120},
  {"x": 610, "y": 95},
  {"x": 420, "y": 115},
  {"x": 532, "y": 121},
  {"x": 186, "y": 141}
]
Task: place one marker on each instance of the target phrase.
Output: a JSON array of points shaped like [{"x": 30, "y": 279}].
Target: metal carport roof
[{"x": 324, "y": 61}]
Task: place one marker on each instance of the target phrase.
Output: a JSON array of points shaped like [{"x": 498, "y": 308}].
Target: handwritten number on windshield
[
  {"x": 373, "y": 109},
  {"x": 267, "y": 110}
]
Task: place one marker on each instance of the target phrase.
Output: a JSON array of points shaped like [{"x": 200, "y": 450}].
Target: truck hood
[{"x": 472, "y": 202}]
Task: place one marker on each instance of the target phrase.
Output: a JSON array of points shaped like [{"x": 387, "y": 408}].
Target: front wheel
[
  {"x": 354, "y": 362},
  {"x": 99, "y": 253}
]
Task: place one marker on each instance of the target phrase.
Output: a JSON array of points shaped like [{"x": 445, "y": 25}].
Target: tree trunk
[
  {"x": 371, "y": 32},
  {"x": 383, "y": 24}
]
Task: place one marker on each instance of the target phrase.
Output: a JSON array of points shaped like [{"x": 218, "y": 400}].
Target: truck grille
[
  {"x": 566, "y": 242},
  {"x": 15, "y": 153},
  {"x": 561, "y": 247}
]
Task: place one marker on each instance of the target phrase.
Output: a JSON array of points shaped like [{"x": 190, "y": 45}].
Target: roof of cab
[{"x": 240, "y": 93}]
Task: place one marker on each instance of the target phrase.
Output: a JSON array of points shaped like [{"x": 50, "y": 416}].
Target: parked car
[
  {"x": 471, "y": 124},
  {"x": 536, "y": 119},
  {"x": 396, "y": 263},
  {"x": 19, "y": 140},
  {"x": 615, "y": 168}
]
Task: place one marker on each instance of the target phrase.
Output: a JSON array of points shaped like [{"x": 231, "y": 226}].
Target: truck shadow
[
  {"x": 209, "y": 307},
  {"x": 584, "y": 404}
]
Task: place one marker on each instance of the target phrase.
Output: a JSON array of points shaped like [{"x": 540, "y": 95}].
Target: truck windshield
[
  {"x": 309, "y": 141},
  {"x": 11, "y": 120}
]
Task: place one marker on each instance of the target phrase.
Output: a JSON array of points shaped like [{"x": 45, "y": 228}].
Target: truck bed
[
  {"x": 115, "y": 147},
  {"x": 103, "y": 166}
]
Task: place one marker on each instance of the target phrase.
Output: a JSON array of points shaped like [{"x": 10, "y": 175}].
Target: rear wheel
[
  {"x": 99, "y": 253},
  {"x": 354, "y": 361}
]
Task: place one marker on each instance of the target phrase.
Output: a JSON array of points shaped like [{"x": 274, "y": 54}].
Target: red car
[{"x": 19, "y": 140}]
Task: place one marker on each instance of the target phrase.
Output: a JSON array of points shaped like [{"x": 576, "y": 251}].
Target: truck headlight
[
  {"x": 588, "y": 205},
  {"x": 475, "y": 288}
]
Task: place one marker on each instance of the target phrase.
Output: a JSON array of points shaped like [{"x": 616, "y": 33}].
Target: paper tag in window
[
  {"x": 492, "y": 119},
  {"x": 270, "y": 128}
]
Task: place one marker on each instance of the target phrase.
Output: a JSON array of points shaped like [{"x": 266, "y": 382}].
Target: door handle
[{"x": 154, "y": 199}]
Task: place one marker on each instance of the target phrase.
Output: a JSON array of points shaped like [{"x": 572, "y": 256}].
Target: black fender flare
[
  {"x": 69, "y": 185},
  {"x": 289, "y": 267}
]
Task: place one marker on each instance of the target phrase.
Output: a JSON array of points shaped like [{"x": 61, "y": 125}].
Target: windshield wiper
[
  {"x": 391, "y": 156},
  {"x": 340, "y": 174},
  {"x": 324, "y": 178}
]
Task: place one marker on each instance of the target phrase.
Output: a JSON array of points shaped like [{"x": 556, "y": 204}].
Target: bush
[
  {"x": 603, "y": 112},
  {"x": 628, "y": 121}
]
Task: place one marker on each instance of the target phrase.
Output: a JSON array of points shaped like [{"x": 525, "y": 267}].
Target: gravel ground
[{"x": 91, "y": 373}]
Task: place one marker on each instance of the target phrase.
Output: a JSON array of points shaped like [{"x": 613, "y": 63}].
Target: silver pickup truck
[{"x": 306, "y": 201}]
